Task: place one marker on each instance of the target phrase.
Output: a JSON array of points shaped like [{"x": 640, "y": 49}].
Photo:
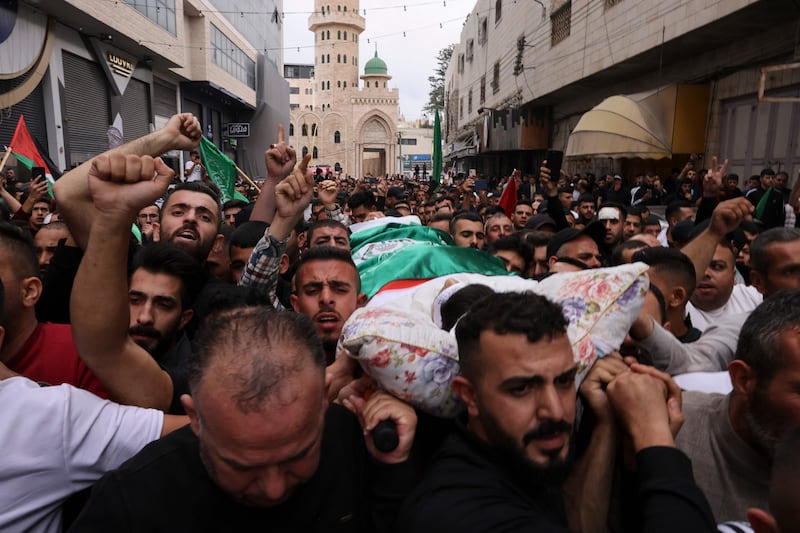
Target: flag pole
[
  {"x": 247, "y": 178},
  {"x": 5, "y": 158}
]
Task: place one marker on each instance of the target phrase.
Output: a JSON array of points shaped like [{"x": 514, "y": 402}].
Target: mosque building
[{"x": 348, "y": 125}]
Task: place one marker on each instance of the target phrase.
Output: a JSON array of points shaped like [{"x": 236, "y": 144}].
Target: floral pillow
[
  {"x": 413, "y": 359},
  {"x": 407, "y": 355}
]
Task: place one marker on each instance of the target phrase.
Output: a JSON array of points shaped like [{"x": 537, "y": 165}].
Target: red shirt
[{"x": 49, "y": 356}]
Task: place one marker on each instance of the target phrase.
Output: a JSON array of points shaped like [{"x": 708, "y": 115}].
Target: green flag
[
  {"x": 221, "y": 169},
  {"x": 436, "y": 171}
]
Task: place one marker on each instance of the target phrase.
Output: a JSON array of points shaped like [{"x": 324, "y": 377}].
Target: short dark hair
[
  {"x": 767, "y": 172},
  {"x": 525, "y": 313},
  {"x": 163, "y": 258},
  {"x": 514, "y": 243},
  {"x": 208, "y": 189},
  {"x": 670, "y": 262},
  {"x": 256, "y": 337},
  {"x": 235, "y": 202},
  {"x": 759, "y": 340},
  {"x": 365, "y": 198},
  {"x": 630, "y": 244},
  {"x": 326, "y": 223},
  {"x": 248, "y": 234},
  {"x": 464, "y": 215},
  {"x": 759, "y": 262},
  {"x": 328, "y": 253},
  {"x": 460, "y": 302},
  {"x": 17, "y": 246},
  {"x": 674, "y": 208}
]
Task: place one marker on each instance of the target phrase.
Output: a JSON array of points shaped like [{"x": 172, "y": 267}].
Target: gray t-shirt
[{"x": 733, "y": 476}]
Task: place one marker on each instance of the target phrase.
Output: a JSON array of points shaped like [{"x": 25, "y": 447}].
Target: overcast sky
[{"x": 410, "y": 58}]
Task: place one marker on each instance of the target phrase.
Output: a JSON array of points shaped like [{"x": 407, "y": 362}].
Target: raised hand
[
  {"x": 712, "y": 181},
  {"x": 294, "y": 192},
  {"x": 383, "y": 406},
  {"x": 729, "y": 214},
  {"x": 280, "y": 158},
  {"x": 546, "y": 181},
  {"x": 38, "y": 188},
  {"x": 121, "y": 185},
  {"x": 182, "y": 132},
  {"x": 327, "y": 192}
]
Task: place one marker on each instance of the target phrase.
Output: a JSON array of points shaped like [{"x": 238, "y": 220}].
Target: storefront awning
[{"x": 650, "y": 125}]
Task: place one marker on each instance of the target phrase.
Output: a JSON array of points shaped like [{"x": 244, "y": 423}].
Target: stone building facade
[{"x": 343, "y": 121}]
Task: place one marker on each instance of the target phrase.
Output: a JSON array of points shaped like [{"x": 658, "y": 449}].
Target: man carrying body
[
  {"x": 264, "y": 449},
  {"x": 731, "y": 439},
  {"x": 504, "y": 470}
]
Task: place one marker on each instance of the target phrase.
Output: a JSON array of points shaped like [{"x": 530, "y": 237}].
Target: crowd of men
[{"x": 178, "y": 356}]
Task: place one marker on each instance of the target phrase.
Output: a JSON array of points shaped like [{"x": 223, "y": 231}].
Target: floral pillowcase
[{"x": 411, "y": 358}]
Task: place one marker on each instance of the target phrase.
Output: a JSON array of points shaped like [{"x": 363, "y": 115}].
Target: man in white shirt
[
  {"x": 717, "y": 297},
  {"x": 194, "y": 169},
  {"x": 60, "y": 440}
]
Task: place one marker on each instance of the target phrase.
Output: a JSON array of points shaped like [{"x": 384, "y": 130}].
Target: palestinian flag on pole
[
  {"x": 221, "y": 169},
  {"x": 29, "y": 154},
  {"x": 436, "y": 172}
]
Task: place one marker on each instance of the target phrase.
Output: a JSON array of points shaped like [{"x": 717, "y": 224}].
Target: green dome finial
[{"x": 376, "y": 66}]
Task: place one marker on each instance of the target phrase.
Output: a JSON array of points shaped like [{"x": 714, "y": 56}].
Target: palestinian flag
[{"x": 29, "y": 154}]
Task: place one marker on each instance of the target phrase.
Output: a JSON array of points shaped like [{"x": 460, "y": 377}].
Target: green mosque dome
[{"x": 376, "y": 67}]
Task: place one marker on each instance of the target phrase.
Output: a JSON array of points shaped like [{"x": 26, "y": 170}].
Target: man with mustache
[{"x": 505, "y": 470}]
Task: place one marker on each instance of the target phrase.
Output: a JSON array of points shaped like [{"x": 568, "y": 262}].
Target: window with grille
[
  {"x": 496, "y": 78},
  {"x": 560, "y": 22}
]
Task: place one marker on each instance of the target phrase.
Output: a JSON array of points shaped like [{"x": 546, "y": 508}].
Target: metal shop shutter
[
  {"x": 135, "y": 110},
  {"x": 166, "y": 103},
  {"x": 33, "y": 109},
  {"x": 85, "y": 110}
]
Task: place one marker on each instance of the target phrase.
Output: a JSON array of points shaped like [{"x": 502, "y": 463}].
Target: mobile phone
[
  {"x": 480, "y": 185},
  {"x": 38, "y": 171},
  {"x": 554, "y": 159}
]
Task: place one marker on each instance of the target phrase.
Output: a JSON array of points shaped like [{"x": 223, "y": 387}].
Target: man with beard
[
  {"x": 505, "y": 469},
  {"x": 731, "y": 438}
]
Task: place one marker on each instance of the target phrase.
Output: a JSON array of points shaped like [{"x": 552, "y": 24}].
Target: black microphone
[{"x": 385, "y": 436}]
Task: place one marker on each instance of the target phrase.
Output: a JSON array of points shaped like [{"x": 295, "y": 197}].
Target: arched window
[
  {"x": 315, "y": 153},
  {"x": 338, "y": 58},
  {"x": 291, "y": 130},
  {"x": 339, "y": 35},
  {"x": 345, "y": 9},
  {"x": 305, "y": 151},
  {"x": 313, "y": 130},
  {"x": 329, "y": 58},
  {"x": 329, "y": 35},
  {"x": 329, "y": 86},
  {"x": 345, "y": 36},
  {"x": 337, "y": 137},
  {"x": 323, "y": 58},
  {"x": 344, "y": 84},
  {"x": 322, "y": 36},
  {"x": 367, "y": 83},
  {"x": 304, "y": 131},
  {"x": 339, "y": 83},
  {"x": 344, "y": 59}
]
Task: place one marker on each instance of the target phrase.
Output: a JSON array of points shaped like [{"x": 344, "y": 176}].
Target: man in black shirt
[
  {"x": 506, "y": 468},
  {"x": 264, "y": 450}
]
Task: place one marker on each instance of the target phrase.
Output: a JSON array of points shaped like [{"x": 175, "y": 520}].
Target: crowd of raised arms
[{"x": 170, "y": 362}]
